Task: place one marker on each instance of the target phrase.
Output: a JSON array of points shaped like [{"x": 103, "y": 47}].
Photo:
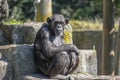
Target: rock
[
  {"x": 24, "y": 34},
  {"x": 98, "y": 77},
  {"x": 20, "y": 58},
  {"x": 5, "y": 70},
  {"x": 36, "y": 77},
  {"x": 88, "y": 62},
  {"x": 3, "y": 41},
  {"x": 77, "y": 77},
  {"x": 6, "y": 32},
  {"x": 19, "y": 34},
  {"x": 21, "y": 61}
]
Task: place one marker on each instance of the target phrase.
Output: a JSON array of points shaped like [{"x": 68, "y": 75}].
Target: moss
[{"x": 13, "y": 22}]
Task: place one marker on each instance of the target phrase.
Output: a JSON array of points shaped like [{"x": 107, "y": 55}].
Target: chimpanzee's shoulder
[{"x": 44, "y": 27}]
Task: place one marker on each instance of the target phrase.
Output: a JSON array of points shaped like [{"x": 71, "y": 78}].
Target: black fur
[{"x": 52, "y": 55}]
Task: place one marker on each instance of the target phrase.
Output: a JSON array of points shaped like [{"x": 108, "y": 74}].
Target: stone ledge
[
  {"x": 76, "y": 77},
  {"x": 88, "y": 62},
  {"x": 98, "y": 77},
  {"x": 19, "y": 34},
  {"x": 20, "y": 59},
  {"x": 3, "y": 68},
  {"x": 36, "y": 77}
]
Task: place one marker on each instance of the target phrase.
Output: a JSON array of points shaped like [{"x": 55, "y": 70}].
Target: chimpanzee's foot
[{"x": 62, "y": 77}]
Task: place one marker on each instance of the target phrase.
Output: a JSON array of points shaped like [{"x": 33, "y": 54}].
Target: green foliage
[
  {"x": 80, "y": 13},
  {"x": 74, "y": 9},
  {"x": 21, "y": 9},
  {"x": 117, "y": 7},
  {"x": 13, "y": 22},
  {"x": 78, "y": 9}
]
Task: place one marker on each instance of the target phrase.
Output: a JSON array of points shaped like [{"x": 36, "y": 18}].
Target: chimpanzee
[{"x": 53, "y": 57}]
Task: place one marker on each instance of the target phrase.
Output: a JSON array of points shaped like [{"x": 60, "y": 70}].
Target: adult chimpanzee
[{"x": 52, "y": 55}]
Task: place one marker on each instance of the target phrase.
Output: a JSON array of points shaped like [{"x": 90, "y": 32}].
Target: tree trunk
[
  {"x": 108, "y": 55},
  {"x": 4, "y": 10},
  {"x": 118, "y": 52},
  {"x": 43, "y": 10}
]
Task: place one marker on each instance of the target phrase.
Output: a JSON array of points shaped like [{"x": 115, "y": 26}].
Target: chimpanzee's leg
[
  {"x": 74, "y": 61},
  {"x": 59, "y": 64}
]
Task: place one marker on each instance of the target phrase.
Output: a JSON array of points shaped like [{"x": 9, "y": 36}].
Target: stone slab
[
  {"x": 20, "y": 57},
  {"x": 36, "y": 77},
  {"x": 79, "y": 76},
  {"x": 88, "y": 62},
  {"x": 19, "y": 34},
  {"x": 5, "y": 70}
]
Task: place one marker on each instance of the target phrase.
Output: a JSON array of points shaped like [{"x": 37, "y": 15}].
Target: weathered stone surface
[
  {"x": 24, "y": 62},
  {"x": 25, "y": 34},
  {"x": 88, "y": 62},
  {"x": 36, "y": 77},
  {"x": 6, "y": 33},
  {"x": 99, "y": 77},
  {"x": 19, "y": 34},
  {"x": 3, "y": 41},
  {"x": 89, "y": 39},
  {"x": 5, "y": 70},
  {"x": 20, "y": 57},
  {"x": 76, "y": 77}
]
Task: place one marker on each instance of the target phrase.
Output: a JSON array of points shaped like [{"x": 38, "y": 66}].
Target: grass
[
  {"x": 92, "y": 25},
  {"x": 13, "y": 22},
  {"x": 76, "y": 24}
]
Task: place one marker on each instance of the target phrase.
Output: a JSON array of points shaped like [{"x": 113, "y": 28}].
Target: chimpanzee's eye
[
  {"x": 56, "y": 22},
  {"x": 61, "y": 22}
]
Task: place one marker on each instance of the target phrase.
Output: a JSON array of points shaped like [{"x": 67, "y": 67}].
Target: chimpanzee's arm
[{"x": 43, "y": 43}]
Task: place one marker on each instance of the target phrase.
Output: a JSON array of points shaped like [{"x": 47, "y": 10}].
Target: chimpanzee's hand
[{"x": 73, "y": 48}]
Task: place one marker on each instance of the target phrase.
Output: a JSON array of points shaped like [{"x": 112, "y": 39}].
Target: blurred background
[{"x": 74, "y": 9}]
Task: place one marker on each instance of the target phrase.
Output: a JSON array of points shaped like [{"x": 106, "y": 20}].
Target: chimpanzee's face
[
  {"x": 58, "y": 28},
  {"x": 58, "y": 24}
]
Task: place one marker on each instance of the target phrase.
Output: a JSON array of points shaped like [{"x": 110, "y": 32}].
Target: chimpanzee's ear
[
  {"x": 49, "y": 19},
  {"x": 67, "y": 20}
]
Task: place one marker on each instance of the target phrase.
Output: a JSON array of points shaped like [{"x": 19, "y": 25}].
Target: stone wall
[
  {"x": 16, "y": 61},
  {"x": 90, "y": 39},
  {"x": 16, "y": 54},
  {"x": 19, "y": 34},
  {"x": 16, "y": 34},
  {"x": 25, "y": 34}
]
